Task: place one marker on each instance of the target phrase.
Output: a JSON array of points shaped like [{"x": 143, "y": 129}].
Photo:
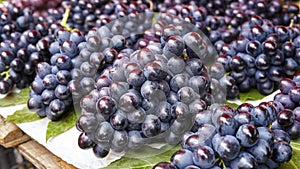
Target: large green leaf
[
  {"x": 57, "y": 127},
  {"x": 233, "y": 105},
  {"x": 144, "y": 162},
  {"x": 294, "y": 163},
  {"x": 14, "y": 99},
  {"x": 253, "y": 94},
  {"x": 22, "y": 116}
]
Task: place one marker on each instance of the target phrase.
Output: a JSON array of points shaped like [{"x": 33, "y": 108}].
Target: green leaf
[
  {"x": 233, "y": 105},
  {"x": 294, "y": 163},
  {"x": 253, "y": 94},
  {"x": 55, "y": 128},
  {"x": 22, "y": 116},
  {"x": 144, "y": 161},
  {"x": 14, "y": 99}
]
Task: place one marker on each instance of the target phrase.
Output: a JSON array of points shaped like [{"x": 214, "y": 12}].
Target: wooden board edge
[{"x": 41, "y": 157}]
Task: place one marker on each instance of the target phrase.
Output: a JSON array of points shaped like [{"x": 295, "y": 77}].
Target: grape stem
[
  {"x": 5, "y": 73},
  {"x": 65, "y": 18}
]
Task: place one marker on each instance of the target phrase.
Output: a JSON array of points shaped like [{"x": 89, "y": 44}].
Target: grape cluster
[
  {"x": 224, "y": 137},
  {"x": 288, "y": 118},
  {"x": 261, "y": 56},
  {"x": 25, "y": 41},
  {"x": 232, "y": 12},
  {"x": 87, "y": 14},
  {"x": 27, "y": 31},
  {"x": 51, "y": 90},
  {"x": 228, "y": 24},
  {"x": 36, "y": 5},
  {"x": 146, "y": 95}
]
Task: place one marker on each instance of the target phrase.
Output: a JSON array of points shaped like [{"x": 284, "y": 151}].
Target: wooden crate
[
  {"x": 42, "y": 158},
  {"x": 12, "y": 136}
]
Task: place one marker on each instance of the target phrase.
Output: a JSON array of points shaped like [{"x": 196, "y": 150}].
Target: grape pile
[
  {"x": 136, "y": 82},
  {"x": 25, "y": 41},
  {"x": 288, "y": 118},
  {"x": 87, "y": 14},
  {"x": 262, "y": 55},
  {"x": 224, "y": 137},
  {"x": 27, "y": 30},
  {"x": 36, "y": 5},
  {"x": 233, "y": 26},
  {"x": 147, "y": 95},
  {"x": 50, "y": 93},
  {"x": 76, "y": 61}
]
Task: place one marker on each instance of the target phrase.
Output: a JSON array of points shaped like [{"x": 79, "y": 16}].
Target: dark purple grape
[{"x": 84, "y": 142}]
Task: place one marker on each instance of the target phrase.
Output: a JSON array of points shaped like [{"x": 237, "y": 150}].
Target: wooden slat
[
  {"x": 10, "y": 134},
  {"x": 41, "y": 157}
]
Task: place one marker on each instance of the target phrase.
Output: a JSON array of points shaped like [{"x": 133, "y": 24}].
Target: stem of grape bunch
[
  {"x": 65, "y": 18},
  {"x": 5, "y": 74}
]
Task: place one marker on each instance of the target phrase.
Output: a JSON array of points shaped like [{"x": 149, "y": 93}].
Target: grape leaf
[
  {"x": 14, "y": 99},
  {"x": 22, "y": 116},
  {"x": 253, "y": 94},
  {"x": 233, "y": 105},
  {"x": 55, "y": 128},
  {"x": 144, "y": 161},
  {"x": 294, "y": 163}
]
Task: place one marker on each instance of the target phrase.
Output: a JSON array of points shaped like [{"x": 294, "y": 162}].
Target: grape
[
  {"x": 227, "y": 147},
  {"x": 226, "y": 124},
  {"x": 282, "y": 152},
  {"x": 266, "y": 134},
  {"x": 151, "y": 126},
  {"x": 244, "y": 160},
  {"x": 100, "y": 150},
  {"x": 186, "y": 95},
  {"x": 174, "y": 46},
  {"x": 179, "y": 81},
  {"x": 119, "y": 141},
  {"x": 47, "y": 96},
  {"x": 84, "y": 142},
  {"x": 182, "y": 158},
  {"x": 204, "y": 157},
  {"x": 105, "y": 105},
  {"x": 247, "y": 135},
  {"x": 176, "y": 64},
  {"x": 260, "y": 115},
  {"x": 135, "y": 140},
  {"x": 118, "y": 120},
  {"x": 286, "y": 85},
  {"x": 35, "y": 103},
  {"x": 261, "y": 151},
  {"x": 87, "y": 122},
  {"x": 164, "y": 165},
  {"x": 285, "y": 118}
]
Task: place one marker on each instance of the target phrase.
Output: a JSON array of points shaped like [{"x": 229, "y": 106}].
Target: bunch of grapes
[
  {"x": 224, "y": 137},
  {"x": 25, "y": 40},
  {"x": 86, "y": 14},
  {"x": 288, "y": 118},
  {"x": 81, "y": 63},
  {"x": 147, "y": 95},
  {"x": 36, "y": 5},
  {"x": 261, "y": 56},
  {"x": 50, "y": 93}
]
